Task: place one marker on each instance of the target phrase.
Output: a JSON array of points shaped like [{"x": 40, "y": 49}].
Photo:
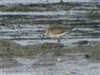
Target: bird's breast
[{"x": 51, "y": 35}]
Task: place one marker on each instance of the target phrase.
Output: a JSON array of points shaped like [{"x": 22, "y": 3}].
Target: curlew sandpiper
[{"x": 57, "y": 32}]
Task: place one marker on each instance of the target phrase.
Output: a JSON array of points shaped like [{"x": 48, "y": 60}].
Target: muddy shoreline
[{"x": 11, "y": 49}]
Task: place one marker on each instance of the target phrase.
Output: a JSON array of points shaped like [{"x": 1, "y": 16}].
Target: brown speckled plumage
[{"x": 57, "y": 31}]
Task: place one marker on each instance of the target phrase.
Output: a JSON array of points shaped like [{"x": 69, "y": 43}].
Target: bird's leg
[
  {"x": 42, "y": 38},
  {"x": 57, "y": 42}
]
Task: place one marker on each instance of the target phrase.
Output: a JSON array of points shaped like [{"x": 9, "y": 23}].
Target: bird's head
[{"x": 44, "y": 33}]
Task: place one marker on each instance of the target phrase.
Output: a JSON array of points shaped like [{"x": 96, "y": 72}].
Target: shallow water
[
  {"x": 34, "y": 32},
  {"x": 78, "y": 66},
  {"x": 25, "y": 28},
  {"x": 39, "y": 1}
]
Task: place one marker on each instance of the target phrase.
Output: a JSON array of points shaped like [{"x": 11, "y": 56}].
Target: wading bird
[{"x": 57, "y": 32}]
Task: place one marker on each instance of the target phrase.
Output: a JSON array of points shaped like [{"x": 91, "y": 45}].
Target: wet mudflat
[
  {"x": 36, "y": 59},
  {"x": 23, "y": 52}
]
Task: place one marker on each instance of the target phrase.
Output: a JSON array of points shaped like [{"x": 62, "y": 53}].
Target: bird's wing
[{"x": 58, "y": 30}]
